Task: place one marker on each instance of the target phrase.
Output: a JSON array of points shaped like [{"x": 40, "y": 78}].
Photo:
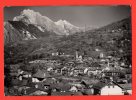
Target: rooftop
[{"x": 41, "y": 74}]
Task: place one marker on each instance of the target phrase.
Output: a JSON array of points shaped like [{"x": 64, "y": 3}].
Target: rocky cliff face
[
  {"x": 32, "y": 25},
  {"x": 15, "y": 31},
  {"x": 60, "y": 27}
]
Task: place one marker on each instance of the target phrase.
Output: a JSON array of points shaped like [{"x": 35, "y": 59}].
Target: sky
[{"x": 93, "y": 16}]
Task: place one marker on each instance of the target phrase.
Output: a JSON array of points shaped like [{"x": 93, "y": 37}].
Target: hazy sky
[{"x": 95, "y": 16}]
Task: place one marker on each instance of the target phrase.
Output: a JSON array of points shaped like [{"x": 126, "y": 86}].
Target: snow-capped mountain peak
[
  {"x": 61, "y": 27},
  {"x": 31, "y": 17},
  {"x": 64, "y": 22}
]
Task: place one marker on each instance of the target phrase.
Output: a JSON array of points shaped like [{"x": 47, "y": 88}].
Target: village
[{"x": 73, "y": 75}]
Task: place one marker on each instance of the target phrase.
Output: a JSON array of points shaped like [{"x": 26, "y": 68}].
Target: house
[
  {"x": 89, "y": 82},
  {"x": 77, "y": 84},
  {"x": 85, "y": 86},
  {"x": 95, "y": 64},
  {"x": 73, "y": 89},
  {"x": 20, "y": 89},
  {"x": 24, "y": 85},
  {"x": 78, "y": 70},
  {"x": 60, "y": 87},
  {"x": 58, "y": 70},
  {"x": 91, "y": 72},
  {"x": 20, "y": 71},
  {"x": 70, "y": 64},
  {"x": 109, "y": 88},
  {"x": 101, "y": 55},
  {"x": 55, "y": 54},
  {"x": 40, "y": 75},
  {"x": 109, "y": 71},
  {"x": 43, "y": 86},
  {"x": 86, "y": 70},
  {"x": 26, "y": 75},
  {"x": 88, "y": 86},
  {"x": 50, "y": 81},
  {"x": 88, "y": 91},
  {"x": 64, "y": 71},
  {"x": 49, "y": 69},
  {"x": 94, "y": 71},
  {"x": 33, "y": 91}
]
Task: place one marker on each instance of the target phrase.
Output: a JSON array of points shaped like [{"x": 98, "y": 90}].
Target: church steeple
[{"x": 76, "y": 55}]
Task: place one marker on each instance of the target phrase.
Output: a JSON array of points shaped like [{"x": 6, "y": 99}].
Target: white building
[
  {"x": 79, "y": 57},
  {"x": 73, "y": 89},
  {"x": 109, "y": 88}
]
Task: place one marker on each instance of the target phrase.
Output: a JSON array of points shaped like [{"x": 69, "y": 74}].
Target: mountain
[
  {"x": 113, "y": 39},
  {"x": 60, "y": 27},
  {"x": 109, "y": 34},
  {"x": 68, "y": 27},
  {"x": 32, "y": 25},
  {"x": 16, "y": 31}
]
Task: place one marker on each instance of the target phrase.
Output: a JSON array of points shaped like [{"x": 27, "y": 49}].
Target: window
[
  {"x": 45, "y": 87},
  {"x": 36, "y": 86}
]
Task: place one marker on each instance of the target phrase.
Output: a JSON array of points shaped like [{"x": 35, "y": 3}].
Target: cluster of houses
[{"x": 82, "y": 76}]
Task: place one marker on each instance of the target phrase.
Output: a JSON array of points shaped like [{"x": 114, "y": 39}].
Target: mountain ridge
[
  {"x": 113, "y": 39},
  {"x": 32, "y": 17}
]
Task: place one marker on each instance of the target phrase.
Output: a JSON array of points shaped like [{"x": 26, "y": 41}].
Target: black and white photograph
[{"x": 67, "y": 50}]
